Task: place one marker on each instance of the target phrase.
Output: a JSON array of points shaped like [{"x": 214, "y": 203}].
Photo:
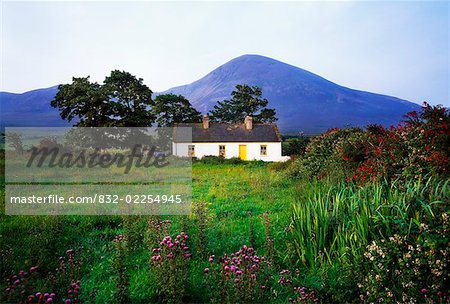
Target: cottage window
[
  {"x": 191, "y": 150},
  {"x": 263, "y": 150},
  {"x": 222, "y": 150}
]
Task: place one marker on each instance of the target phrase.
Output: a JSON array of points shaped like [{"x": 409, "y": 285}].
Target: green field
[
  {"x": 236, "y": 195},
  {"x": 319, "y": 231}
]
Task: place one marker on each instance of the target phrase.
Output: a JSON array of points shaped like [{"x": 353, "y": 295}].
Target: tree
[
  {"x": 14, "y": 140},
  {"x": 170, "y": 109},
  {"x": 245, "y": 101},
  {"x": 84, "y": 102},
  {"x": 121, "y": 101},
  {"x": 131, "y": 100}
]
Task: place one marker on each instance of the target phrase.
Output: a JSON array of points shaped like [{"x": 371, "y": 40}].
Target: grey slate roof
[{"x": 223, "y": 132}]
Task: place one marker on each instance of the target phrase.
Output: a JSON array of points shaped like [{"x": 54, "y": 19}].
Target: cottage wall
[{"x": 232, "y": 150}]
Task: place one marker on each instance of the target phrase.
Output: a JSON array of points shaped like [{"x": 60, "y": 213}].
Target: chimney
[
  {"x": 248, "y": 122},
  {"x": 205, "y": 122}
]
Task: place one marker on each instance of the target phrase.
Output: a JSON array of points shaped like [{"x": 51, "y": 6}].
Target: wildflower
[{"x": 206, "y": 270}]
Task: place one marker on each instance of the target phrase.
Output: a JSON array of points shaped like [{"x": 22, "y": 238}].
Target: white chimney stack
[
  {"x": 248, "y": 122},
  {"x": 205, "y": 122}
]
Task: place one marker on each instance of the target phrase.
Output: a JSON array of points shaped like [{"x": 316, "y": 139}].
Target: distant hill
[
  {"x": 305, "y": 102},
  {"x": 30, "y": 109}
]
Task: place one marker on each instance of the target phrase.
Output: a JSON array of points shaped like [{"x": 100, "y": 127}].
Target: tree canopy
[
  {"x": 170, "y": 109},
  {"x": 245, "y": 101},
  {"x": 121, "y": 101}
]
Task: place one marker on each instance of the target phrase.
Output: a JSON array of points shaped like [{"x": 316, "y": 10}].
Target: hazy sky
[{"x": 395, "y": 48}]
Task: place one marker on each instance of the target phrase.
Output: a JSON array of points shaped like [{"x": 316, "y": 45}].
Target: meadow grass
[
  {"x": 236, "y": 195},
  {"x": 319, "y": 227}
]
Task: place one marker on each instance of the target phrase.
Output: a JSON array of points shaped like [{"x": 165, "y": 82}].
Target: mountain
[
  {"x": 29, "y": 109},
  {"x": 304, "y": 101}
]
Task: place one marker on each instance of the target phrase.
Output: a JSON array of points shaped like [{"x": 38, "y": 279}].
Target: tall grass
[{"x": 335, "y": 222}]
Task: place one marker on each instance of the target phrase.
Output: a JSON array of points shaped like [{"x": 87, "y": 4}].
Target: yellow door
[{"x": 243, "y": 152}]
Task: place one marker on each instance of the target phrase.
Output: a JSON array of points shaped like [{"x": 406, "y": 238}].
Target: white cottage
[{"x": 248, "y": 141}]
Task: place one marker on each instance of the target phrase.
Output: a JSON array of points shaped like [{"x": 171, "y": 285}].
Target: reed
[{"x": 335, "y": 222}]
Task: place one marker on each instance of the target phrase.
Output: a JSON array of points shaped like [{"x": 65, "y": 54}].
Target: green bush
[
  {"x": 218, "y": 160},
  {"x": 295, "y": 146},
  {"x": 418, "y": 147},
  {"x": 409, "y": 269},
  {"x": 322, "y": 158}
]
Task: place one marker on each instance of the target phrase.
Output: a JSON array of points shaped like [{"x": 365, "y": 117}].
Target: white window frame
[
  {"x": 191, "y": 150},
  {"x": 261, "y": 150},
  {"x": 224, "y": 150}
]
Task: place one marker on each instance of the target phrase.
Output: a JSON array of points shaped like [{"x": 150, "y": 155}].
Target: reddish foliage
[{"x": 418, "y": 146}]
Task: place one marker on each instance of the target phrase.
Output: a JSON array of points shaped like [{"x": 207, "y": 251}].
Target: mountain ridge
[
  {"x": 305, "y": 102},
  {"x": 297, "y": 94}
]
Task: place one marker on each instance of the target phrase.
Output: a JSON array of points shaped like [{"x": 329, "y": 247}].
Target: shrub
[
  {"x": 417, "y": 147},
  {"x": 218, "y": 160},
  {"x": 321, "y": 159},
  {"x": 15, "y": 141},
  {"x": 295, "y": 146},
  {"x": 406, "y": 269}
]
